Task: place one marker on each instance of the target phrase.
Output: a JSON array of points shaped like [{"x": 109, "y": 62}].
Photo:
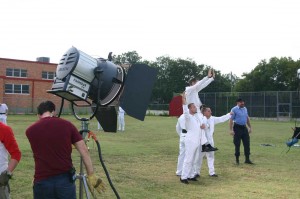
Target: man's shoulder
[
  {"x": 4, "y": 127},
  {"x": 234, "y": 108}
]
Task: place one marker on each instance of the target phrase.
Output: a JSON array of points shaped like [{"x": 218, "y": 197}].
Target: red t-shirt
[
  {"x": 8, "y": 139},
  {"x": 51, "y": 141}
]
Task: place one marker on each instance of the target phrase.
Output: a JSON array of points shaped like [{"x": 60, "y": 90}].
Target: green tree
[
  {"x": 279, "y": 74},
  {"x": 174, "y": 75},
  {"x": 130, "y": 57}
]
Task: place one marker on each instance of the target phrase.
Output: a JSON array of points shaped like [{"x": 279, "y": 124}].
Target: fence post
[
  {"x": 277, "y": 107},
  {"x": 264, "y": 105}
]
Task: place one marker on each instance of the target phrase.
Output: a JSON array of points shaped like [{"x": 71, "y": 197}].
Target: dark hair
[
  {"x": 45, "y": 106},
  {"x": 192, "y": 80},
  {"x": 204, "y": 108},
  {"x": 239, "y": 100},
  {"x": 189, "y": 105}
]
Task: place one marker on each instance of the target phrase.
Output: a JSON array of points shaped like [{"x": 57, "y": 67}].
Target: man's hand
[
  {"x": 209, "y": 74},
  {"x": 95, "y": 182},
  {"x": 213, "y": 74},
  {"x": 4, "y": 178},
  {"x": 202, "y": 126},
  {"x": 232, "y": 132},
  {"x": 249, "y": 130}
]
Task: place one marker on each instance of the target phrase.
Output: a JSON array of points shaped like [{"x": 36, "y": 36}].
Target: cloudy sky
[{"x": 231, "y": 35}]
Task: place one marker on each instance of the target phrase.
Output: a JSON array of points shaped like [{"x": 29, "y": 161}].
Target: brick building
[{"x": 23, "y": 84}]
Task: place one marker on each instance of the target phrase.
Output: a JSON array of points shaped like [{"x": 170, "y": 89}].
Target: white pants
[
  {"x": 3, "y": 118},
  {"x": 198, "y": 161},
  {"x": 210, "y": 161},
  {"x": 121, "y": 123},
  {"x": 191, "y": 148},
  {"x": 181, "y": 153}
]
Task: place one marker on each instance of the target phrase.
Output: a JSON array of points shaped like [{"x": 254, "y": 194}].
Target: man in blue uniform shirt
[{"x": 238, "y": 128}]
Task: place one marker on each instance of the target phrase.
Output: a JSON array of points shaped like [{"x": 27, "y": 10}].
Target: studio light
[
  {"x": 77, "y": 78},
  {"x": 102, "y": 85}
]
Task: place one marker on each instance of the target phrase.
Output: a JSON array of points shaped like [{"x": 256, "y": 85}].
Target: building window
[
  {"x": 15, "y": 72},
  {"x": 48, "y": 75},
  {"x": 16, "y": 89}
]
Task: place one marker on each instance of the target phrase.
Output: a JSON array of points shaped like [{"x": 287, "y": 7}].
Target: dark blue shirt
[{"x": 240, "y": 115}]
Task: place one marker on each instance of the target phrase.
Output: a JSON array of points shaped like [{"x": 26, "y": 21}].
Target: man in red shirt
[
  {"x": 51, "y": 140},
  {"x": 8, "y": 145}
]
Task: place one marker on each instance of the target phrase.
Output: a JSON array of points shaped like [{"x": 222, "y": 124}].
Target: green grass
[{"x": 142, "y": 162}]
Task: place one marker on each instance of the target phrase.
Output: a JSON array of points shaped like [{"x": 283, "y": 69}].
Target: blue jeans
[{"x": 56, "y": 187}]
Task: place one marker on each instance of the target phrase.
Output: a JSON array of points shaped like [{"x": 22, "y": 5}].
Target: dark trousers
[
  {"x": 57, "y": 187},
  {"x": 241, "y": 133}
]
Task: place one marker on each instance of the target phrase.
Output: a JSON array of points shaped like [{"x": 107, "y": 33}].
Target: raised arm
[
  {"x": 185, "y": 110},
  {"x": 221, "y": 119}
]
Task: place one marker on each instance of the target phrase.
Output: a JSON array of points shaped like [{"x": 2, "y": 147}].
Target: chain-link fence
[{"x": 271, "y": 104}]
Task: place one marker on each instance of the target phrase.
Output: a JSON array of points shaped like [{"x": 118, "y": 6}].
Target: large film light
[
  {"x": 76, "y": 79},
  {"x": 102, "y": 85}
]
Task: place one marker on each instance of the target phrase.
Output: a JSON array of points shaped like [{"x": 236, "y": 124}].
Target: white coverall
[
  {"x": 209, "y": 129},
  {"x": 191, "y": 92},
  {"x": 3, "y": 112},
  {"x": 179, "y": 126},
  {"x": 192, "y": 142},
  {"x": 121, "y": 119},
  {"x": 192, "y": 96}
]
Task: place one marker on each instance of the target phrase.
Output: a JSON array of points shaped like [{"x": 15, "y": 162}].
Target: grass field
[{"x": 142, "y": 162}]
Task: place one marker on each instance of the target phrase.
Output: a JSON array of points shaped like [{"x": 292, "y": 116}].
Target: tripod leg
[{"x": 86, "y": 187}]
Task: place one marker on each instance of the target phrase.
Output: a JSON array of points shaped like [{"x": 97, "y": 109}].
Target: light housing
[{"x": 101, "y": 84}]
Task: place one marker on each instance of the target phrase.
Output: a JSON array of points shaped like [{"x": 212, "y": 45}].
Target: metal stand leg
[
  {"x": 81, "y": 176},
  {"x": 83, "y": 184}
]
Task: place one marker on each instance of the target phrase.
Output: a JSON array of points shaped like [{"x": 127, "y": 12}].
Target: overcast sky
[{"x": 229, "y": 35}]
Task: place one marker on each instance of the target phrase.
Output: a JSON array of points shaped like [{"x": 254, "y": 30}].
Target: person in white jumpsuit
[
  {"x": 192, "y": 96},
  {"x": 194, "y": 125},
  {"x": 3, "y": 113},
  {"x": 191, "y": 93},
  {"x": 121, "y": 119},
  {"x": 209, "y": 130},
  {"x": 181, "y": 131}
]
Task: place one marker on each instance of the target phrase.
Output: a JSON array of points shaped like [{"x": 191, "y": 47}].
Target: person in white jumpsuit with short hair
[
  {"x": 192, "y": 96},
  {"x": 3, "y": 113},
  {"x": 194, "y": 125},
  {"x": 191, "y": 93},
  {"x": 181, "y": 131},
  {"x": 121, "y": 119},
  {"x": 209, "y": 130}
]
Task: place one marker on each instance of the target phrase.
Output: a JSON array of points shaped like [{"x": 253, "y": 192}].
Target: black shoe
[
  {"x": 214, "y": 175},
  {"x": 237, "y": 161},
  {"x": 214, "y": 148},
  {"x": 197, "y": 176},
  {"x": 184, "y": 181},
  {"x": 209, "y": 149},
  {"x": 248, "y": 162},
  {"x": 192, "y": 179}
]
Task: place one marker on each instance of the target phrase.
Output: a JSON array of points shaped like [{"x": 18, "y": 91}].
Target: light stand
[
  {"x": 84, "y": 132},
  {"x": 81, "y": 176}
]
